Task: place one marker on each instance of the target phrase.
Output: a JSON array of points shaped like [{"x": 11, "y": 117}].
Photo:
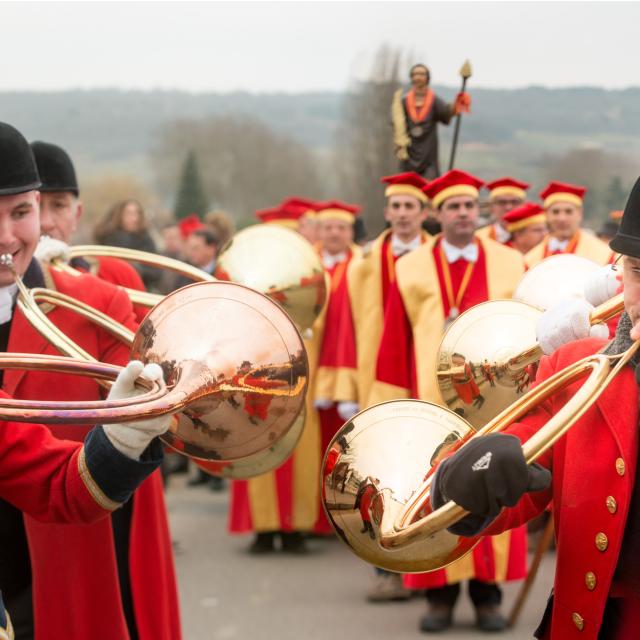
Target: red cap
[
  {"x": 408, "y": 184},
  {"x": 453, "y": 183},
  {"x": 562, "y": 192},
  {"x": 507, "y": 186},
  {"x": 288, "y": 212},
  {"x": 337, "y": 209},
  {"x": 190, "y": 224},
  {"x": 523, "y": 216}
]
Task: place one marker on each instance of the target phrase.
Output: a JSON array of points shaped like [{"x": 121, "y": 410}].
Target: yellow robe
[
  {"x": 417, "y": 279},
  {"x": 588, "y": 247}
]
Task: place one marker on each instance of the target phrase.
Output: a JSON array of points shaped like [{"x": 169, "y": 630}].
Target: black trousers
[
  {"x": 20, "y": 609},
  {"x": 482, "y": 594}
]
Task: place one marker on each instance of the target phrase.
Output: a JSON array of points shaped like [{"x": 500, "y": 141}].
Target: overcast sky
[{"x": 311, "y": 46}]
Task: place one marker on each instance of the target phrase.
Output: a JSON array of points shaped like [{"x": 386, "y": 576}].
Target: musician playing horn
[
  {"x": 121, "y": 567},
  {"x": 590, "y": 475},
  {"x": 61, "y": 212}
]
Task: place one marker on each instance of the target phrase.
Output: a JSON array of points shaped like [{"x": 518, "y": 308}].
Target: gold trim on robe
[{"x": 588, "y": 247}]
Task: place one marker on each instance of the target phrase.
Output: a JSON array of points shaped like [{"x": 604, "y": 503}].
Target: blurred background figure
[
  {"x": 505, "y": 194},
  {"x": 222, "y": 224},
  {"x": 172, "y": 241},
  {"x": 610, "y": 227},
  {"x": 125, "y": 225},
  {"x": 526, "y": 225},
  {"x": 201, "y": 249}
]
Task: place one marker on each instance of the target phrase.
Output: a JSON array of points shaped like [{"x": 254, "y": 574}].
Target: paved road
[{"x": 227, "y": 594}]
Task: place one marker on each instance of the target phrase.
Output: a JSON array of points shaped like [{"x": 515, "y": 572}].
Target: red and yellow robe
[
  {"x": 582, "y": 244},
  {"x": 288, "y": 498},
  {"x": 406, "y": 367},
  {"x": 369, "y": 280}
]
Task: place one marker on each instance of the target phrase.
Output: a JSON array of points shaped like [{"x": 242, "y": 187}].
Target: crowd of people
[{"x": 389, "y": 302}]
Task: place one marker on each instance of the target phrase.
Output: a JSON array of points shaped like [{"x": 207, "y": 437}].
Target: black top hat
[
  {"x": 627, "y": 240},
  {"x": 55, "y": 168},
  {"x": 18, "y": 171}
]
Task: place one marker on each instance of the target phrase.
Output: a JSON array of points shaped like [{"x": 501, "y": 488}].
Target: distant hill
[{"x": 509, "y": 131}]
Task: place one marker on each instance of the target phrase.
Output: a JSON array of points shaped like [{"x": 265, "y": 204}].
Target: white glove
[
  {"x": 602, "y": 285},
  {"x": 50, "y": 249},
  {"x": 321, "y": 403},
  {"x": 565, "y": 322},
  {"x": 133, "y": 438},
  {"x": 347, "y": 409}
]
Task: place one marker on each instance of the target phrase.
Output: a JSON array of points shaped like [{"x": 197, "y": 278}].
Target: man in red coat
[
  {"x": 596, "y": 593},
  {"x": 60, "y": 212},
  {"x": 59, "y": 481},
  {"x": 121, "y": 568}
]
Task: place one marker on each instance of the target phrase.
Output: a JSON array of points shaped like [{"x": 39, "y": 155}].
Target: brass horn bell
[{"x": 235, "y": 370}]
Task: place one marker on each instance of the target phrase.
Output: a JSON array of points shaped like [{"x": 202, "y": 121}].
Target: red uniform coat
[
  {"x": 594, "y": 470},
  {"x": 83, "y": 556}
]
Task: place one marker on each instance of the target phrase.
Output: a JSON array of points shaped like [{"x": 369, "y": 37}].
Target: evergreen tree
[
  {"x": 191, "y": 196},
  {"x": 616, "y": 195}
]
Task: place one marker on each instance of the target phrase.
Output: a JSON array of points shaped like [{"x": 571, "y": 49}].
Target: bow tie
[
  {"x": 330, "y": 260},
  {"x": 7, "y": 296},
  {"x": 399, "y": 248},
  {"x": 557, "y": 245},
  {"x": 468, "y": 253}
]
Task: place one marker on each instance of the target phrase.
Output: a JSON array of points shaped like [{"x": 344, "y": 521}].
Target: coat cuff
[{"x": 110, "y": 476}]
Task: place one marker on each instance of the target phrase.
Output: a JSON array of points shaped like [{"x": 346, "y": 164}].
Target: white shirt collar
[
  {"x": 399, "y": 248},
  {"x": 7, "y": 298},
  {"x": 330, "y": 260},
  {"x": 555, "y": 244},
  {"x": 502, "y": 235},
  {"x": 468, "y": 253}
]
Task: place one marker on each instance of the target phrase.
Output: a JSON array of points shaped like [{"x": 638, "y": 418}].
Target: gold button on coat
[
  {"x": 620, "y": 467},
  {"x": 612, "y": 504},
  {"x": 590, "y": 580},
  {"x": 578, "y": 620},
  {"x": 602, "y": 542}
]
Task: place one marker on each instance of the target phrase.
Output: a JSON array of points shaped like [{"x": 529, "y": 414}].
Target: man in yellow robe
[
  {"x": 563, "y": 205},
  {"x": 435, "y": 283},
  {"x": 505, "y": 194}
]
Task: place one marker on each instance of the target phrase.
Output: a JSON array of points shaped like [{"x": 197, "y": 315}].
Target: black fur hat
[{"x": 627, "y": 240}]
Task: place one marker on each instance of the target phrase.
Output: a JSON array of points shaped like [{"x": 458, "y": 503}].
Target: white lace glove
[
  {"x": 321, "y": 403},
  {"x": 50, "y": 249},
  {"x": 565, "y": 322},
  {"x": 133, "y": 438},
  {"x": 347, "y": 409},
  {"x": 602, "y": 285}
]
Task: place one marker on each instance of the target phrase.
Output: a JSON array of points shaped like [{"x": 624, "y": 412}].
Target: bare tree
[
  {"x": 244, "y": 165},
  {"x": 364, "y": 149}
]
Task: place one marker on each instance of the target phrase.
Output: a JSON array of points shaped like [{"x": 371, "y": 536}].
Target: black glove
[{"x": 487, "y": 474}]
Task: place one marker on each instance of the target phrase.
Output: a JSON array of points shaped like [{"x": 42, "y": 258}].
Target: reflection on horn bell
[
  {"x": 489, "y": 356},
  {"x": 279, "y": 263},
  {"x": 234, "y": 364}
]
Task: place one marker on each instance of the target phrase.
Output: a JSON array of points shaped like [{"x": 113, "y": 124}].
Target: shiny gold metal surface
[
  {"x": 489, "y": 356},
  {"x": 279, "y": 263},
  {"x": 234, "y": 363},
  {"x": 377, "y": 471},
  {"x": 260, "y": 462},
  {"x": 555, "y": 279}
]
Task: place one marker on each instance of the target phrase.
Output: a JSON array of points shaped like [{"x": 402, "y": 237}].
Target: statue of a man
[{"x": 415, "y": 114}]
